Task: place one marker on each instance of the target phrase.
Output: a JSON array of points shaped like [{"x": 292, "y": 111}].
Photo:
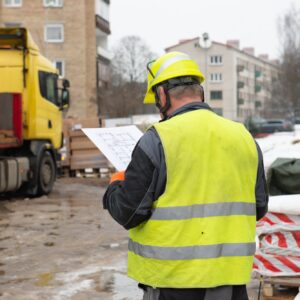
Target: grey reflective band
[
  {"x": 169, "y": 62},
  {"x": 192, "y": 252},
  {"x": 204, "y": 210}
]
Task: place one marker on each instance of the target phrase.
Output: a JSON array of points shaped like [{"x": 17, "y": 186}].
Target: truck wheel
[{"x": 46, "y": 174}]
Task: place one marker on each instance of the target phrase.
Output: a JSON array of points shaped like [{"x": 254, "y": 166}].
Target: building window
[
  {"x": 54, "y": 33},
  {"x": 48, "y": 86},
  {"x": 216, "y": 95},
  {"x": 12, "y": 3},
  {"x": 104, "y": 72},
  {"x": 216, "y": 60},
  {"x": 53, "y": 3},
  {"x": 216, "y": 77},
  {"x": 59, "y": 64}
]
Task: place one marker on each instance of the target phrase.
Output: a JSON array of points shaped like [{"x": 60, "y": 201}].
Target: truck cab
[{"x": 31, "y": 107}]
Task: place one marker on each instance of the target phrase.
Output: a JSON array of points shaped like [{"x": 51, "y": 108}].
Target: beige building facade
[
  {"x": 73, "y": 35},
  {"x": 238, "y": 83}
]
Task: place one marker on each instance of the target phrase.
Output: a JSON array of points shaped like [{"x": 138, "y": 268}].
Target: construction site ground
[{"x": 65, "y": 246}]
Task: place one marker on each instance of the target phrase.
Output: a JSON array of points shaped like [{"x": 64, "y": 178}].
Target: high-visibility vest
[{"x": 202, "y": 230}]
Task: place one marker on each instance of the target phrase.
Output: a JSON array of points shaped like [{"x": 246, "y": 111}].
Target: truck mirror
[
  {"x": 65, "y": 98},
  {"x": 66, "y": 83}
]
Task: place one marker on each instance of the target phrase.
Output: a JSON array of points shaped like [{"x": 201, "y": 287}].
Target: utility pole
[{"x": 205, "y": 45}]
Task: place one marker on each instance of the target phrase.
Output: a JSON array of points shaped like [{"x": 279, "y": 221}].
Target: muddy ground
[{"x": 65, "y": 246}]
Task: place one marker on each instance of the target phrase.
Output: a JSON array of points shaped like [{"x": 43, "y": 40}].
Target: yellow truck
[{"x": 31, "y": 106}]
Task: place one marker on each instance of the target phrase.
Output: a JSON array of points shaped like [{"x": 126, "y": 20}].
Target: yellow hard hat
[{"x": 170, "y": 65}]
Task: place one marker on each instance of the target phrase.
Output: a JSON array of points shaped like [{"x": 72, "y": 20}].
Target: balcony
[
  {"x": 258, "y": 88},
  {"x": 258, "y": 104},
  {"x": 102, "y": 24},
  {"x": 240, "y": 84},
  {"x": 241, "y": 101},
  {"x": 240, "y": 68},
  {"x": 104, "y": 53},
  {"x": 258, "y": 73}
]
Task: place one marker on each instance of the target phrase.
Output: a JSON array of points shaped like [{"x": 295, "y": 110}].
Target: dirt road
[{"x": 64, "y": 246}]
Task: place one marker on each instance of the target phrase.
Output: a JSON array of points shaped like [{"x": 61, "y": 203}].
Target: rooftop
[{"x": 234, "y": 45}]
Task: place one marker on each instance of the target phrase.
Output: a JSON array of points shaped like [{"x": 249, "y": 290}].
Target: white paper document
[{"x": 116, "y": 143}]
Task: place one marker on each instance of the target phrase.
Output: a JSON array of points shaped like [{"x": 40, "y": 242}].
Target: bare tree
[
  {"x": 131, "y": 56},
  {"x": 286, "y": 89},
  {"x": 124, "y": 96}
]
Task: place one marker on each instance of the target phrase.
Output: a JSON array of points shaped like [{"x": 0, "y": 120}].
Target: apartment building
[
  {"x": 238, "y": 83},
  {"x": 72, "y": 34}
]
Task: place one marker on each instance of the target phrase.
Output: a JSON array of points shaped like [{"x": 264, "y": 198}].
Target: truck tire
[{"x": 46, "y": 174}]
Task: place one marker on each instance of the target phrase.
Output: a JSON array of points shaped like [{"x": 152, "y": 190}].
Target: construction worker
[{"x": 191, "y": 194}]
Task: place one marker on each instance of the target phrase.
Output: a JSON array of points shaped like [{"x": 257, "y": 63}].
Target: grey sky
[{"x": 161, "y": 23}]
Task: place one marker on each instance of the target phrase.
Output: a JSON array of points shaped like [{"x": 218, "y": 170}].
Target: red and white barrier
[{"x": 279, "y": 245}]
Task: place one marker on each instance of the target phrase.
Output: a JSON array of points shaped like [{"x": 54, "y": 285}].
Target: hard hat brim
[{"x": 150, "y": 97}]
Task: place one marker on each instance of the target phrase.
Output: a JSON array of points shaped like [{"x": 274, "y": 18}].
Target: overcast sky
[{"x": 161, "y": 23}]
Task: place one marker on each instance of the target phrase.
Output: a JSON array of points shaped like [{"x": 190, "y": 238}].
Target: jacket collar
[{"x": 190, "y": 107}]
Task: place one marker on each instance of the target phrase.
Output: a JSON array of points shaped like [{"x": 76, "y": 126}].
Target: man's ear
[
  {"x": 202, "y": 93},
  {"x": 162, "y": 96}
]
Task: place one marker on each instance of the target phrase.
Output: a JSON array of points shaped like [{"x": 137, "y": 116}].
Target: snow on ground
[{"x": 280, "y": 145}]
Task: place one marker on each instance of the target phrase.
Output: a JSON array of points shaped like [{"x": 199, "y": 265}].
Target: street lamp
[
  {"x": 205, "y": 37},
  {"x": 205, "y": 44}
]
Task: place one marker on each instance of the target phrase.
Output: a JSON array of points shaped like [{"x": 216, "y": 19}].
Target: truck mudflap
[{"x": 13, "y": 172}]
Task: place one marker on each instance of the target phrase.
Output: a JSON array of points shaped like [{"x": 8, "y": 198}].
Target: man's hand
[{"x": 117, "y": 176}]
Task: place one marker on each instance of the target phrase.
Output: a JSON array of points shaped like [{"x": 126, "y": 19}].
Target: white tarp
[
  {"x": 280, "y": 145},
  {"x": 285, "y": 204},
  {"x": 115, "y": 143}
]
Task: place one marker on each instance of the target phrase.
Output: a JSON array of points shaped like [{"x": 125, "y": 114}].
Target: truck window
[{"x": 48, "y": 86}]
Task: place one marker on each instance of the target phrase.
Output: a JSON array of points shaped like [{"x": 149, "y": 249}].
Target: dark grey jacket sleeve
[
  {"x": 130, "y": 201},
  {"x": 261, "y": 190}
]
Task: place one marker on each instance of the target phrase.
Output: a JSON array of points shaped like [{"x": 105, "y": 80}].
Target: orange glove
[{"x": 117, "y": 176}]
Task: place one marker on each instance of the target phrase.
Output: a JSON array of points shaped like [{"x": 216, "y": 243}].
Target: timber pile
[
  {"x": 80, "y": 153},
  {"x": 7, "y": 137},
  {"x": 280, "y": 288}
]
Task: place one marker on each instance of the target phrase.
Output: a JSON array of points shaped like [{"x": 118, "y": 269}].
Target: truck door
[{"x": 49, "y": 114}]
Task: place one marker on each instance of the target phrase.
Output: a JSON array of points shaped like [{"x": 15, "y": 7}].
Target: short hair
[{"x": 194, "y": 90}]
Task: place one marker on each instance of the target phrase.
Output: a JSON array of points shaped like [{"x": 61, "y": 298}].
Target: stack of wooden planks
[
  {"x": 7, "y": 137},
  {"x": 80, "y": 152},
  {"x": 280, "y": 287}
]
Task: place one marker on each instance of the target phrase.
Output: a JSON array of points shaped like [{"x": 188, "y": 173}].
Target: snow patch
[
  {"x": 72, "y": 289},
  {"x": 125, "y": 288}
]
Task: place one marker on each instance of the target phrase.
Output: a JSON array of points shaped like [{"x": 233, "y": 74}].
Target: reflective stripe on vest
[
  {"x": 192, "y": 252},
  {"x": 204, "y": 210},
  {"x": 169, "y": 62}
]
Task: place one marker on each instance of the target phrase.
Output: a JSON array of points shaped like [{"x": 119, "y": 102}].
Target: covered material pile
[
  {"x": 278, "y": 252},
  {"x": 279, "y": 238},
  {"x": 284, "y": 177}
]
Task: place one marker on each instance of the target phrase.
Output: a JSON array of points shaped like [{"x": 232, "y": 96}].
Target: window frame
[
  {"x": 63, "y": 64},
  {"x": 58, "y": 3},
  {"x": 216, "y": 77},
  {"x": 53, "y": 26},
  {"x": 42, "y": 84},
  {"x": 216, "y": 60},
  {"x": 13, "y": 3},
  {"x": 217, "y": 92}
]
